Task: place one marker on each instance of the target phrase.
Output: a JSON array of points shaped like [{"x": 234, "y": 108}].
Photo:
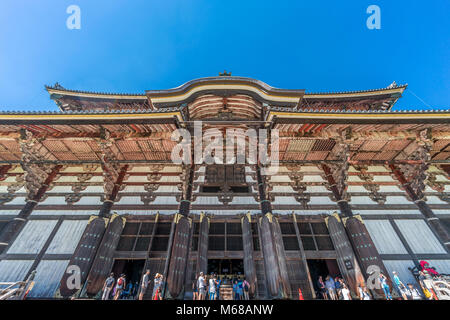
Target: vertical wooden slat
[
  {"x": 84, "y": 253},
  {"x": 178, "y": 258},
  {"x": 304, "y": 275},
  {"x": 346, "y": 258},
  {"x": 202, "y": 251},
  {"x": 104, "y": 258},
  {"x": 281, "y": 255},
  {"x": 249, "y": 263},
  {"x": 364, "y": 248},
  {"x": 270, "y": 259}
]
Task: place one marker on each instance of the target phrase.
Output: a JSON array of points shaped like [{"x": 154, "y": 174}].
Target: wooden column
[
  {"x": 279, "y": 245},
  {"x": 346, "y": 258},
  {"x": 12, "y": 229},
  {"x": 358, "y": 235},
  {"x": 249, "y": 263},
  {"x": 277, "y": 281},
  {"x": 202, "y": 251},
  {"x": 148, "y": 293},
  {"x": 87, "y": 248},
  {"x": 304, "y": 269},
  {"x": 103, "y": 261},
  {"x": 418, "y": 198},
  {"x": 180, "y": 244}
]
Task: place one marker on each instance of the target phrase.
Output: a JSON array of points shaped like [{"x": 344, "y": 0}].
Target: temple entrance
[
  {"x": 133, "y": 270},
  {"x": 322, "y": 267},
  {"x": 233, "y": 268}
]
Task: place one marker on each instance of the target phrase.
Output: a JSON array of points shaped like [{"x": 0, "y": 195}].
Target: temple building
[{"x": 93, "y": 188}]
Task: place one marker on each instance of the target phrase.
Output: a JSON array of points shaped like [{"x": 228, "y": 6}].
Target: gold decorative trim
[{"x": 269, "y": 216}]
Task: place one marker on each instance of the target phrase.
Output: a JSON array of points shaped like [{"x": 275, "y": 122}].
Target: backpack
[{"x": 120, "y": 282}]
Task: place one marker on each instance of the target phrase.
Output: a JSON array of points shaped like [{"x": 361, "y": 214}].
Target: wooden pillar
[
  {"x": 180, "y": 243},
  {"x": 90, "y": 241},
  {"x": 304, "y": 272},
  {"x": 178, "y": 258},
  {"x": 346, "y": 258},
  {"x": 277, "y": 282},
  {"x": 12, "y": 229},
  {"x": 103, "y": 261},
  {"x": 249, "y": 263},
  {"x": 202, "y": 251},
  {"x": 431, "y": 219},
  {"x": 148, "y": 294},
  {"x": 358, "y": 235},
  {"x": 281, "y": 254}
]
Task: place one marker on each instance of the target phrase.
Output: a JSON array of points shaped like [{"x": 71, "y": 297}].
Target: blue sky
[{"x": 130, "y": 46}]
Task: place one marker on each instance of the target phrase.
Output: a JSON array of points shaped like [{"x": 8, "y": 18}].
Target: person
[
  {"x": 413, "y": 293},
  {"x": 246, "y": 289},
  {"x": 329, "y": 284},
  {"x": 108, "y": 286},
  {"x": 162, "y": 286},
  {"x": 385, "y": 286},
  {"x": 240, "y": 289},
  {"x": 126, "y": 293},
  {"x": 195, "y": 288},
  {"x": 322, "y": 288},
  {"x": 346, "y": 293},
  {"x": 338, "y": 286},
  {"x": 399, "y": 285},
  {"x": 201, "y": 287},
  {"x": 427, "y": 269},
  {"x": 212, "y": 287},
  {"x": 120, "y": 286},
  {"x": 156, "y": 287},
  {"x": 426, "y": 292},
  {"x": 235, "y": 290},
  {"x": 219, "y": 282},
  {"x": 144, "y": 284},
  {"x": 363, "y": 293}
]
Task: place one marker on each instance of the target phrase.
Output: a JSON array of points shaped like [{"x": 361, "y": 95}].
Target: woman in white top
[
  {"x": 363, "y": 294},
  {"x": 212, "y": 288},
  {"x": 346, "y": 293}
]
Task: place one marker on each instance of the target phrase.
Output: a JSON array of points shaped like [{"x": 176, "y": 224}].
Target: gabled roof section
[{"x": 225, "y": 85}]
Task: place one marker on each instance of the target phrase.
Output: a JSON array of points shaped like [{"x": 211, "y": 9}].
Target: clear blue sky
[{"x": 130, "y": 46}]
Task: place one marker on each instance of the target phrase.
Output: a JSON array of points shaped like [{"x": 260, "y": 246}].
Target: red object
[
  {"x": 300, "y": 295},
  {"x": 425, "y": 268}
]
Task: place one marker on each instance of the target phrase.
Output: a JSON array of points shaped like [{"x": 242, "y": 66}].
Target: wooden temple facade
[{"x": 94, "y": 186}]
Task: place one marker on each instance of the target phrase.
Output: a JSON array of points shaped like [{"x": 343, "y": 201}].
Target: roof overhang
[
  {"x": 281, "y": 117},
  {"x": 225, "y": 85}
]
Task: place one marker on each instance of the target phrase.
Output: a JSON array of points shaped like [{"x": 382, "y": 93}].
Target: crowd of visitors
[
  {"x": 121, "y": 290},
  {"x": 208, "y": 288},
  {"x": 337, "y": 289},
  {"x": 238, "y": 288}
]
